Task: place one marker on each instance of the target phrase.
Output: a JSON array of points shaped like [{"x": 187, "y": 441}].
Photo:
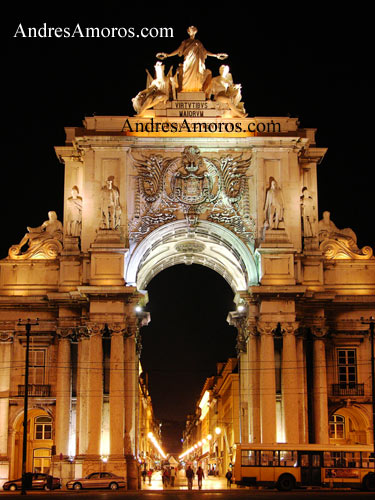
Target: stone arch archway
[
  {"x": 34, "y": 442},
  {"x": 356, "y": 423},
  {"x": 208, "y": 244}
]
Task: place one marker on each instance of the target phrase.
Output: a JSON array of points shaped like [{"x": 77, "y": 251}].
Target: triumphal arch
[{"x": 189, "y": 178}]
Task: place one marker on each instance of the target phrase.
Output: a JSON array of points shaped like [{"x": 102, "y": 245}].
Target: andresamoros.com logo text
[{"x": 79, "y": 31}]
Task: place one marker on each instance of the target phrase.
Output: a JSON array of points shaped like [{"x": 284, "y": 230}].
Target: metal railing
[
  {"x": 36, "y": 390},
  {"x": 348, "y": 389}
]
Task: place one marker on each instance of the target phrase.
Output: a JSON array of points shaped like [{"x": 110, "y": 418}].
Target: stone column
[
  {"x": 63, "y": 393},
  {"x": 82, "y": 394},
  {"x": 253, "y": 381},
  {"x": 302, "y": 384},
  {"x": 116, "y": 394},
  {"x": 267, "y": 382},
  {"x": 240, "y": 321},
  {"x": 320, "y": 396},
  {"x": 290, "y": 384},
  {"x": 6, "y": 340},
  {"x": 131, "y": 393},
  {"x": 95, "y": 388}
]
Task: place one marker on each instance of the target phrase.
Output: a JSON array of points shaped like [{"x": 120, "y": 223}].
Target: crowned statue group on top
[{"x": 191, "y": 76}]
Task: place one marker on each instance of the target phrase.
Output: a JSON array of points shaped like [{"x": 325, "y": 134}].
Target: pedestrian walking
[
  {"x": 165, "y": 477},
  {"x": 200, "y": 476},
  {"x": 144, "y": 474},
  {"x": 149, "y": 475},
  {"x": 190, "y": 477},
  {"x": 173, "y": 476},
  {"x": 228, "y": 475}
]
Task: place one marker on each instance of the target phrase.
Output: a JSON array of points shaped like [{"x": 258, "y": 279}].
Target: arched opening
[
  {"x": 349, "y": 425},
  {"x": 186, "y": 338},
  {"x": 39, "y": 442}
]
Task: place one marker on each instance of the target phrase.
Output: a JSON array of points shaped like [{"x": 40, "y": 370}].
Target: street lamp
[
  {"x": 371, "y": 324},
  {"x": 28, "y": 325}
]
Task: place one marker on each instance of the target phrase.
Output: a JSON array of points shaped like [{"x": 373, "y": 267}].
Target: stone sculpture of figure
[
  {"x": 110, "y": 205},
  {"x": 274, "y": 205},
  {"x": 74, "y": 213},
  {"x": 328, "y": 230},
  {"x": 195, "y": 73},
  {"x": 223, "y": 90},
  {"x": 50, "y": 229},
  {"x": 157, "y": 91},
  {"x": 307, "y": 213}
]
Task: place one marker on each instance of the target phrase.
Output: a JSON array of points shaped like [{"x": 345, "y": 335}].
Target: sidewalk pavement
[{"x": 209, "y": 483}]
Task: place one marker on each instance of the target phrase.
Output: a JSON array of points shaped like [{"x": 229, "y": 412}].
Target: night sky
[{"x": 306, "y": 64}]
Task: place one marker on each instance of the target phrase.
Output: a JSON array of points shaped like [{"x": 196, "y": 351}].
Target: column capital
[
  {"x": 6, "y": 336},
  {"x": 266, "y": 327},
  {"x": 290, "y": 328},
  {"x": 319, "y": 332}
]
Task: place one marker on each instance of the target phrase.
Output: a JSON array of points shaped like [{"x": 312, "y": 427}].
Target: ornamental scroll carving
[
  {"x": 338, "y": 243},
  {"x": 43, "y": 242},
  {"x": 193, "y": 187}
]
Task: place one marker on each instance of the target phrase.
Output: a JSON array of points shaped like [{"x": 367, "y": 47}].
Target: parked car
[
  {"x": 34, "y": 481},
  {"x": 97, "y": 480}
]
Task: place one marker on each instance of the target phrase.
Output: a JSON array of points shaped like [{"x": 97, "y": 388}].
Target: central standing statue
[{"x": 195, "y": 76}]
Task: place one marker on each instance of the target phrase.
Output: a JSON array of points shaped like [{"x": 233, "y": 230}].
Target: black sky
[{"x": 309, "y": 64}]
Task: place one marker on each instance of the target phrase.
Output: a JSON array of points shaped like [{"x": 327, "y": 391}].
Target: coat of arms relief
[{"x": 193, "y": 187}]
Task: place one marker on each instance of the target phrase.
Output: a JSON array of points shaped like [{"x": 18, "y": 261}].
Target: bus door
[{"x": 310, "y": 463}]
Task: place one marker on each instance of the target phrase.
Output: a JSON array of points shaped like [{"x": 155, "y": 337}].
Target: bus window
[
  {"x": 315, "y": 462},
  {"x": 353, "y": 459},
  {"x": 339, "y": 459},
  {"x": 304, "y": 460},
  {"x": 269, "y": 458},
  {"x": 249, "y": 458},
  {"x": 367, "y": 460},
  {"x": 288, "y": 458},
  {"x": 328, "y": 461}
]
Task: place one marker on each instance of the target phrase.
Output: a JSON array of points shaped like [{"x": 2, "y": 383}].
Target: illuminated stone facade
[{"x": 189, "y": 179}]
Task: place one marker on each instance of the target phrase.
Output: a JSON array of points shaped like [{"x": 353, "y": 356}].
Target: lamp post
[
  {"x": 371, "y": 324},
  {"x": 28, "y": 325}
]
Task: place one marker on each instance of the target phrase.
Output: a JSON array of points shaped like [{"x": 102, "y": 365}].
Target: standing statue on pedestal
[
  {"x": 110, "y": 206},
  {"x": 307, "y": 213},
  {"x": 157, "y": 90},
  {"x": 195, "y": 76},
  {"x": 74, "y": 213},
  {"x": 274, "y": 206}
]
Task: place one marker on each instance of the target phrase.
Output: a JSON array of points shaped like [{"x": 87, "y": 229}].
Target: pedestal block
[{"x": 107, "y": 258}]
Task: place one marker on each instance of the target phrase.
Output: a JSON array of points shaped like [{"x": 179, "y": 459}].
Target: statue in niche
[
  {"x": 328, "y": 230},
  {"x": 195, "y": 76},
  {"x": 223, "y": 90},
  {"x": 110, "y": 205},
  {"x": 39, "y": 240},
  {"x": 74, "y": 213},
  {"x": 274, "y": 206},
  {"x": 157, "y": 90},
  {"x": 307, "y": 213}
]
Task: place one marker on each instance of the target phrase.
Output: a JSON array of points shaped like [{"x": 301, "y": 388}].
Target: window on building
[
  {"x": 337, "y": 427},
  {"x": 347, "y": 367},
  {"x": 37, "y": 366},
  {"x": 42, "y": 460},
  {"x": 43, "y": 427}
]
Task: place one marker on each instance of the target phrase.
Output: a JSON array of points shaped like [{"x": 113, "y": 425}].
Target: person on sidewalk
[
  {"x": 200, "y": 476},
  {"x": 190, "y": 477},
  {"x": 173, "y": 476},
  {"x": 149, "y": 475},
  {"x": 228, "y": 475}
]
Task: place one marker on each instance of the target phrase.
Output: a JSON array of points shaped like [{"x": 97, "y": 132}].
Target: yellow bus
[{"x": 286, "y": 466}]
